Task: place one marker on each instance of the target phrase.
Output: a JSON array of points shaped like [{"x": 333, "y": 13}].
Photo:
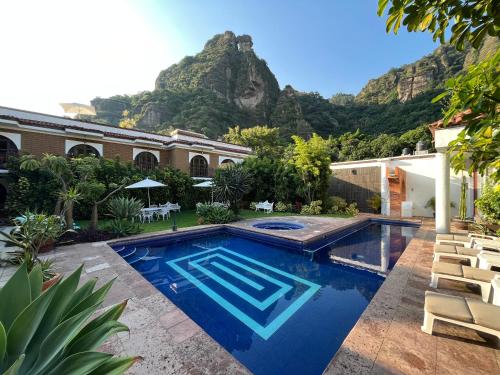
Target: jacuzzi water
[
  {"x": 278, "y": 225},
  {"x": 275, "y": 310}
]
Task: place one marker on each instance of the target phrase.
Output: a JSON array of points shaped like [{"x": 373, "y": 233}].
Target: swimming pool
[{"x": 273, "y": 308}]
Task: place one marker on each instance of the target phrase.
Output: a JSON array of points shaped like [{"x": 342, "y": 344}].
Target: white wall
[
  {"x": 420, "y": 181},
  {"x": 420, "y": 184}
]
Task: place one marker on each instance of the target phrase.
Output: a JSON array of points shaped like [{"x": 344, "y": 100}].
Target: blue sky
[
  {"x": 75, "y": 50},
  {"x": 325, "y": 46}
]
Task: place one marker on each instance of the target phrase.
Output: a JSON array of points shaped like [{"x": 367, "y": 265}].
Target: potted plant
[
  {"x": 461, "y": 221},
  {"x": 431, "y": 203},
  {"x": 33, "y": 232}
]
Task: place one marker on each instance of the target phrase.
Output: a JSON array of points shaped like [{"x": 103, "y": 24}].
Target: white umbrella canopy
[
  {"x": 80, "y": 109},
  {"x": 205, "y": 185},
  {"x": 147, "y": 183}
]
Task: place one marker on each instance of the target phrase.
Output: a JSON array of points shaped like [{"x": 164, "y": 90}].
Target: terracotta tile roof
[{"x": 62, "y": 123}]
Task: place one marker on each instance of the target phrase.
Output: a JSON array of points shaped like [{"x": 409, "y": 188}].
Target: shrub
[
  {"x": 312, "y": 209},
  {"x": 336, "y": 205},
  {"x": 211, "y": 214},
  {"x": 231, "y": 184},
  {"x": 124, "y": 208},
  {"x": 124, "y": 227},
  {"x": 352, "y": 209},
  {"x": 282, "y": 207},
  {"x": 489, "y": 204},
  {"x": 50, "y": 331},
  {"x": 375, "y": 202}
]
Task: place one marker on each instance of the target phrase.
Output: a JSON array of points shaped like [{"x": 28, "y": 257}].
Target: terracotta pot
[
  {"x": 461, "y": 224},
  {"x": 47, "y": 284}
]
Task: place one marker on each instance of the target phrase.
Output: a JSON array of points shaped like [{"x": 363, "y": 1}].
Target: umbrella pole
[{"x": 149, "y": 199}]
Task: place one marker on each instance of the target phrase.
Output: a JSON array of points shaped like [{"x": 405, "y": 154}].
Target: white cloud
[{"x": 71, "y": 51}]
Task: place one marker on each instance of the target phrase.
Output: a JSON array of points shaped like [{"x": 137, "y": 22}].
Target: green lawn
[{"x": 188, "y": 219}]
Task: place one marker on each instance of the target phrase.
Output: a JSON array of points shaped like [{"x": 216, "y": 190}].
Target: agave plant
[
  {"x": 49, "y": 332},
  {"x": 124, "y": 208}
]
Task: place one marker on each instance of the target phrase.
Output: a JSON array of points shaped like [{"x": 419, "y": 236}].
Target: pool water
[{"x": 277, "y": 311}]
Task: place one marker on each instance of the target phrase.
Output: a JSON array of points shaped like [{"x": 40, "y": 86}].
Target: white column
[
  {"x": 384, "y": 191},
  {"x": 385, "y": 247},
  {"x": 442, "y": 193}
]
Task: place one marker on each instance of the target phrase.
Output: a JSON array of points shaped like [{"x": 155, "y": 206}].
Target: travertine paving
[
  {"x": 387, "y": 338},
  {"x": 167, "y": 339},
  {"x": 314, "y": 227}
]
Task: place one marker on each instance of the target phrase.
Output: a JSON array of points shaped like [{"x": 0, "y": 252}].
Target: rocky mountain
[
  {"x": 227, "y": 84},
  {"x": 429, "y": 73}
]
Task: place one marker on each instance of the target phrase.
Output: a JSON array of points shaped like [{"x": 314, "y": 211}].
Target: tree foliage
[
  {"x": 476, "y": 97},
  {"x": 311, "y": 159},
  {"x": 263, "y": 140},
  {"x": 472, "y": 19}
]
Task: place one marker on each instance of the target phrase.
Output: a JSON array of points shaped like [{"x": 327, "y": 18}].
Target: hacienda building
[{"x": 25, "y": 132}]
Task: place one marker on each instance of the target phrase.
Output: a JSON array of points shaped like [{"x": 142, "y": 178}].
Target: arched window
[
  {"x": 199, "y": 166},
  {"x": 146, "y": 161},
  {"x": 7, "y": 149},
  {"x": 82, "y": 150},
  {"x": 225, "y": 163}
]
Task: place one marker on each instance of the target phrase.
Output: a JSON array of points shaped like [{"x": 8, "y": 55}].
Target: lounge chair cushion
[
  {"x": 449, "y": 249},
  {"x": 467, "y": 251},
  {"x": 448, "y": 306},
  {"x": 484, "y": 314},
  {"x": 453, "y": 237},
  {"x": 478, "y": 274},
  {"x": 447, "y": 269}
]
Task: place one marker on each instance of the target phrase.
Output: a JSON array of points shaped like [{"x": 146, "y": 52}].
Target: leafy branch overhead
[{"x": 468, "y": 21}]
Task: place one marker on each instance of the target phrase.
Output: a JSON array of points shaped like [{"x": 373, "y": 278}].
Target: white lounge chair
[
  {"x": 265, "y": 206},
  {"x": 459, "y": 252},
  {"x": 465, "y": 274},
  {"x": 466, "y": 312}
]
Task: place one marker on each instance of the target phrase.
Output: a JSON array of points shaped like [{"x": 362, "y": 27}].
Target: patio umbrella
[
  {"x": 205, "y": 185},
  {"x": 147, "y": 183},
  {"x": 80, "y": 109}
]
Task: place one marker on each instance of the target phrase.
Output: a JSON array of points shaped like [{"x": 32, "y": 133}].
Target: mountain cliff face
[
  {"x": 227, "y": 84},
  {"x": 229, "y": 67},
  {"x": 429, "y": 73}
]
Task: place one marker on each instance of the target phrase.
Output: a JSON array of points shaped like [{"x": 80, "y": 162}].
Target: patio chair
[
  {"x": 265, "y": 206},
  {"x": 173, "y": 206},
  {"x": 466, "y": 312},
  {"x": 465, "y": 274},
  {"x": 147, "y": 216},
  {"x": 164, "y": 212}
]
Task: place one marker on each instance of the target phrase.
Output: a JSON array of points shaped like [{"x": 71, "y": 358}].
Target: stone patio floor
[{"x": 386, "y": 340}]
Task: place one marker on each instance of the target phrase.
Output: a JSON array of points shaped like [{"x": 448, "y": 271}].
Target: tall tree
[
  {"x": 263, "y": 140},
  {"x": 311, "y": 159}
]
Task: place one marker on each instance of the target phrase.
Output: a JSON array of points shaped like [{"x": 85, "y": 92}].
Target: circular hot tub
[{"x": 278, "y": 225}]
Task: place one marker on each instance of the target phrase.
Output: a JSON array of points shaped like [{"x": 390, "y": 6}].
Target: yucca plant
[{"x": 49, "y": 332}]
